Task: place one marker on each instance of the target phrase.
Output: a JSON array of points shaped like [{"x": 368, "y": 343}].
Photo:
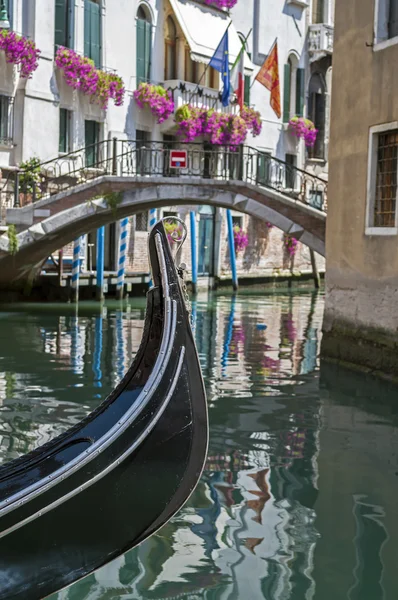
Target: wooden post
[
  {"x": 315, "y": 273},
  {"x": 60, "y": 266}
]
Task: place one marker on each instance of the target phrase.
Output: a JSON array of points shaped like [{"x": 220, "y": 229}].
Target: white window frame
[
  {"x": 381, "y": 39},
  {"x": 370, "y": 229}
]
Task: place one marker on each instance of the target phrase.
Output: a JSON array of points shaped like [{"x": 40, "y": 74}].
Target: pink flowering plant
[
  {"x": 240, "y": 239},
  {"x": 290, "y": 243},
  {"x": 304, "y": 129},
  {"x": 252, "y": 119},
  {"x": 20, "y": 51},
  {"x": 157, "y": 98},
  {"x": 80, "y": 73},
  {"x": 221, "y": 3},
  {"x": 219, "y": 128}
]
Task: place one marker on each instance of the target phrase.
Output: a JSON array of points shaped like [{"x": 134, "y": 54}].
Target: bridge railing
[{"x": 135, "y": 158}]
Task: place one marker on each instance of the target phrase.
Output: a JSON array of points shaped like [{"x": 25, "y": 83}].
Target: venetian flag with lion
[{"x": 268, "y": 76}]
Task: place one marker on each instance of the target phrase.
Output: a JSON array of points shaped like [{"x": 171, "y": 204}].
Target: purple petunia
[
  {"x": 240, "y": 239},
  {"x": 304, "y": 129},
  {"x": 80, "y": 73},
  {"x": 157, "y": 98},
  {"x": 221, "y": 3},
  {"x": 20, "y": 51}
]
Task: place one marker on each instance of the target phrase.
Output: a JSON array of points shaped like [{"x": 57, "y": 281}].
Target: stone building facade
[
  {"x": 361, "y": 319},
  {"x": 169, "y": 42}
]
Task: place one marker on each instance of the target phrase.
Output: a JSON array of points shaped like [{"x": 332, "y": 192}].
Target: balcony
[
  {"x": 320, "y": 41},
  {"x": 198, "y": 96},
  {"x": 299, "y": 3}
]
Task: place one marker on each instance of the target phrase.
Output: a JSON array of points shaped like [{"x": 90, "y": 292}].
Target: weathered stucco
[{"x": 361, "y": 318}]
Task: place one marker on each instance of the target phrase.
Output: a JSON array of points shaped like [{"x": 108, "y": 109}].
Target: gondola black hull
[{"x": 100, "y": 489}]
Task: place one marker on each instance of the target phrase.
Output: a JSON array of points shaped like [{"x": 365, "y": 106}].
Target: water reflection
[{"x": 297, "y": 500}]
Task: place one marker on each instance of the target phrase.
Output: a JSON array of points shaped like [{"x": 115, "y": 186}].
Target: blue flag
[{"x": 220, "y": 62}]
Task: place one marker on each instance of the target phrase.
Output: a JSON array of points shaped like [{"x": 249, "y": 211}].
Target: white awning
[{"x": 204, "y": 28}]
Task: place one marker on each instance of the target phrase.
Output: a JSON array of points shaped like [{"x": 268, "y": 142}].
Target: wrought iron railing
[{"x": 152, "y": 159}]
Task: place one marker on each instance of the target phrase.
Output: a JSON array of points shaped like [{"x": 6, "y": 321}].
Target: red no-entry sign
[{"x": 178, "y": 159}]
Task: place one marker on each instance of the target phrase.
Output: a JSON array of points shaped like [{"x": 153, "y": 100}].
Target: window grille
[
  {"x": 6, "y": 120},
  {"x": 386, "y": 180},
  {"x": 141, "y": 221}
]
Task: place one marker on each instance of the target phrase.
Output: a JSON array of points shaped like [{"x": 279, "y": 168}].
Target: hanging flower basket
[
  {"x": 221, "y": 3},
  {"x": 157, "y": 98},
  {"x": 240, "y": 238},
  {"x": 19, "y": 50},
  {"x": 290, "y": 243},
  {"x": 80, "y": 73},
  {"x": 304, "y": 129},
  {"x": 252, "y": 119},
  {"x": 218, "y": 128}
]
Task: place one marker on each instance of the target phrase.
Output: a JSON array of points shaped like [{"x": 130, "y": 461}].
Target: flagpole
[
  {"x": 272, "y": 47},
  {"x": 205, "y": 71}
]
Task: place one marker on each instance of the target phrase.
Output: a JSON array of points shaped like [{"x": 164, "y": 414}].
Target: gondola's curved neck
[{"x": 168, "y": 335}]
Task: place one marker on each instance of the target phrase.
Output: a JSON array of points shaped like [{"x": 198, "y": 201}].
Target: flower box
[{"x": 21, "y": 51}]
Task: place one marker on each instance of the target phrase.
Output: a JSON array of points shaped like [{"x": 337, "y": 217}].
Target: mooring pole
[
  {"x": 100, "y": 263},
  {"x": 76, "y": 270},
  {"x": 97, "y": 352},
  {"x": 60, "y": 266},
  {"x": 315, "y": 272},
  {"x": 152, "y": 223},
  {"x": 122, "y": 257},
  {"x": 120, "y": 345},
  {"x": 232, "y": 255},
  {"x": 194, "y": 253}
]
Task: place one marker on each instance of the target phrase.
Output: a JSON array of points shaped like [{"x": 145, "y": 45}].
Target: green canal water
[{"x": 298, "y": 500}]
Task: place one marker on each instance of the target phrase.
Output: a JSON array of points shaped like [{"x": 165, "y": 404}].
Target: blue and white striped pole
[
  {"x": 122, "y": 258},
  {"x": 76, "y": 269},
  {"x": 100, "y": 263},
  {"x": 232, "y": 255},
  {"x": 152, "y": 222}
]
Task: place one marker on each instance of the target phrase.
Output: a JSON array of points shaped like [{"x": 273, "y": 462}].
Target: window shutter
[
  {"x": 148, "y": 50},
  {"x": 300, "y": 92},
  {"x": 87, "y": 28},
  {"x": 286, "y": 93},
  {"x": 63, "y": 123},
  {"x": 61, "y": 21},
  {"x": 71, "y": 23},
  {"x": 95, "y": 26},
  {"x": 140, "y": 51}
]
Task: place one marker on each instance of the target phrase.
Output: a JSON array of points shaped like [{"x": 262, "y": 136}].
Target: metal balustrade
[{"x": 131, "y": 158}]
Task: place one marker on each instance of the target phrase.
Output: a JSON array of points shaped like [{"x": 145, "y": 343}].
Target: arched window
[
  {"x": 317, "y": 113},
  {"x": 293, "y": 93},
  {"x": 92, "y": 30},
  {"x": 170, "y": 67},
  {"x": 144, "y": 45}
]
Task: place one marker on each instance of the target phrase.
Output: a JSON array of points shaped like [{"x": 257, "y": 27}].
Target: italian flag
[{"x": 237, "y": 77}]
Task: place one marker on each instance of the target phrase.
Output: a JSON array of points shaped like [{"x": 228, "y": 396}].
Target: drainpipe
[
  {"x": 232, "y": 254},
  {"x": 100, "y": 263},
  {"x": 194, "y": 254},
  {"x": 258, "y": 58}
]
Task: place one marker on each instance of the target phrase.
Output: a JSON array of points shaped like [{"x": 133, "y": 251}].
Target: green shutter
[
  {"x": 63, "y": 130},
  {"x": 286, "y": 94},
  {"x": 246, "y": 98},
  {"x": 140, "y": 51},
  {"x": 148, "y": 50},
  {"x": 61, "y": 23},
  {"x": 92, "y": 31},
  {"x": 300, "y": 80}
]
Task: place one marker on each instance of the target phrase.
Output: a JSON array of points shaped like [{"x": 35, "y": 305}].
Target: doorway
[
  {"x": 206, "y": 241},
  {"x": 109, "y": 249}
]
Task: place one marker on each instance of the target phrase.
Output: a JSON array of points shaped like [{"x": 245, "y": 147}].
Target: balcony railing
[
  {"x": 320, "y": 41},
  {"x": 197, "y": 95}
]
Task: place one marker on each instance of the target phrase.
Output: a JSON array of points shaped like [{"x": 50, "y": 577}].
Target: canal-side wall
[{"x": 361, "y": 316}]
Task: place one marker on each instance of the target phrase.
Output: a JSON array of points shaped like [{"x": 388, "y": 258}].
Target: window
[
  {"x": 141, "y": 221},
  {"x": 317, "y": 114},
  {"x": 212, "y": 79},
  {"x": 382, "y": 180},
  {"x": 264, "y": 168},
  {"x": 6, "y": 120},
  {"x": 318, "y": 11},
  {"x": 293, "y": 90},
  {"x": 170, "y": 70},
  {"x": 64, "y": 23},
  {"x": 92, "y": 138},
  {"x": 92, "y": 30},
  {"x": 386, "y": 22},
  {"x": 237, "y": 221},
  {"x": 290, "y": 177},
  {"x": 144, "y": 46},
  {"x": 191, "y": 67},
  {"x": 65, "y": 137}
]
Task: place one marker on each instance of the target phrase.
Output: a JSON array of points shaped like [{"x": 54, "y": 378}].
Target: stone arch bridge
[{"x": 69, "y": 196}]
